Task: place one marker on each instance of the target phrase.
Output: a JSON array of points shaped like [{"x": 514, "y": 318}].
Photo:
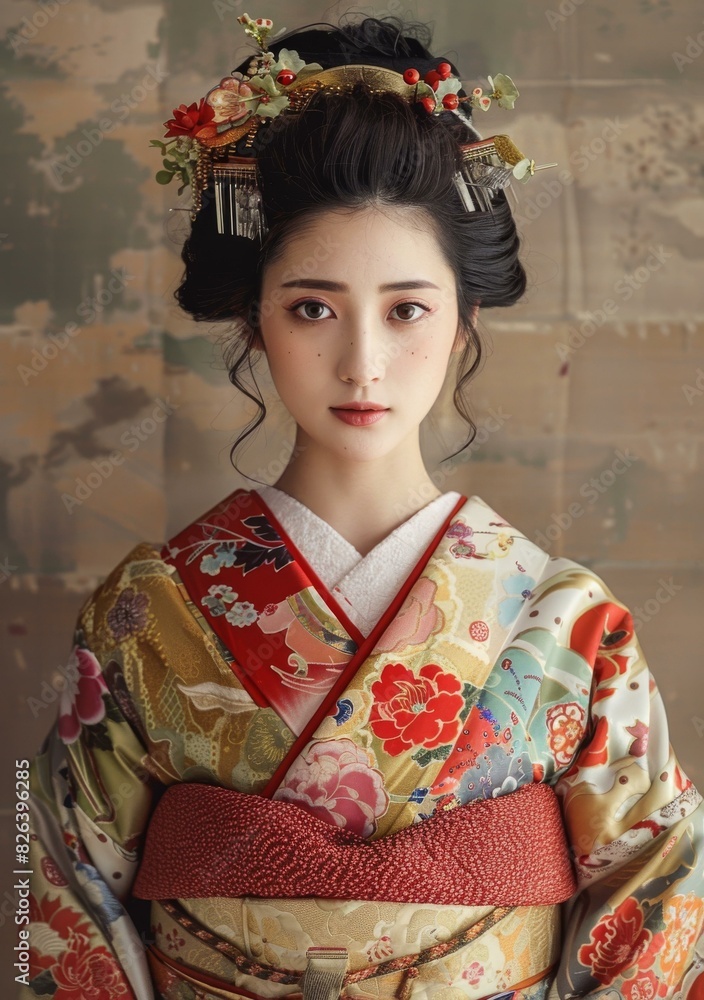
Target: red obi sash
[{"x": 205, "y": 841}]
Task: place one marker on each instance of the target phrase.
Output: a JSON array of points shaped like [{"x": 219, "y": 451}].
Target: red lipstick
[{"x": 359, "y": 413}]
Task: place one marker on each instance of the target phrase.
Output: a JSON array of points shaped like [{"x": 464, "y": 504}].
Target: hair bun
[{"x": 206, "y": 291}]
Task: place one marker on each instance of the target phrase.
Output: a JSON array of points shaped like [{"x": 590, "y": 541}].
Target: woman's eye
[
  {"x": 406, "y": 308},
  {"x": 313, "y": 310}
]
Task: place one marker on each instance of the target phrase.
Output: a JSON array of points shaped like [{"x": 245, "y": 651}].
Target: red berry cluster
[{"x": 433, "y": 77}]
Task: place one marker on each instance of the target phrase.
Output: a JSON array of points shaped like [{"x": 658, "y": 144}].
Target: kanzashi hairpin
[
  {"x": 489, "y": 166},
  {"x": 203, "y": 135}
]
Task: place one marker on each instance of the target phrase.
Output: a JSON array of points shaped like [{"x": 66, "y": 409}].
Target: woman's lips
[{"x": 358, "y": 417}]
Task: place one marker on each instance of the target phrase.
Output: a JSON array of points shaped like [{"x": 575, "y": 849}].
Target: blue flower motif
[
  {"x": 224, "y": 555},
  {"x": 241, "y": 614},
  {"x": 215, "y": 604},
  {"x": 99, "y": 893},
  {"x": 417, "y": 795},
  {"x": 210, "y": 565},
  {"x": 222, "y": 591},
  {"x": 217, "y": 595},
  {"x": 344, "y": 711},
  {"x": 518, "y": 587}
]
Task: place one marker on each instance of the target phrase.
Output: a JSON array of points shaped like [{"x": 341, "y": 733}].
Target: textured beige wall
[{"x": 614, "y": 245}]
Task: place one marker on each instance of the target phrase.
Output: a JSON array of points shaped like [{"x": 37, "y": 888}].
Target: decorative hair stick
[{"x": 206, "y": 134}]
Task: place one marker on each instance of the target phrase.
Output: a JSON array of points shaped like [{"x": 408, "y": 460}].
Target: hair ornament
[
  {"x": 207, "y": 138},
  {"x": 490, "y": 165},
  {"x": 259, "y": 28}
]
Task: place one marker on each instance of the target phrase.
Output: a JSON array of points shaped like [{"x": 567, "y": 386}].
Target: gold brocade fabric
[
  {"x": 277, "y": 932},
  {"x": 497, "y": 667}
]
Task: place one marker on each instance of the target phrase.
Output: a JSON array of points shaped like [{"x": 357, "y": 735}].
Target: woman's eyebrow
[{"x": 338, "y": 286}]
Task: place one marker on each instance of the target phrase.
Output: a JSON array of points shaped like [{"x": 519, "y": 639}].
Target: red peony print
[
  {"x": 416, "y": 710},
  {"x": 192, "y": 119},
  {"x": 82, "y": 697},
  {"x": 616, "y": 942},
  {"x": 335, "y": 780},
  {"x": 49, "y": 919},
  {"x": 565, "y": 724},
  {"x": 87, "y": 972},
  {"x": 647, "y": 956},
  {"x": 81, "y": 970},
  {"x": 643, "y": 987}
]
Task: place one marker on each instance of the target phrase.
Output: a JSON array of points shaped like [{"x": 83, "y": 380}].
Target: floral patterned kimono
[{"x": 284, "y": 770}]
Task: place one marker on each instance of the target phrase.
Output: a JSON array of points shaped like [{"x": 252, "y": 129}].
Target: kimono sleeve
[
  {"x": 635, "y": 824},
  {"x": 91, "y": 796}
]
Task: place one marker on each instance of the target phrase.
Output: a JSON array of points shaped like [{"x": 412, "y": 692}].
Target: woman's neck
[{"x": 364, "y": 503}]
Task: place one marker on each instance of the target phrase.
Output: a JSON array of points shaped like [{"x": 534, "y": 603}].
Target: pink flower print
[
  {"x": 82, "y": 697},
  {"x": 473, "y": 973},
  {"x": 335, "y": 780},
  {"x": 463, "y": 549},
  {"x": 228, "y": 101},
  {"x": 380, "y": 949},
  {"x": 458, "y": 529},
  {"x": 417, "y": 620},
  {"x": 174, "y": 940}
]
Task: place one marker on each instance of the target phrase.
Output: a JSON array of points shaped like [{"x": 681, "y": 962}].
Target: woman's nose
[{"x": 364, "y": 356}]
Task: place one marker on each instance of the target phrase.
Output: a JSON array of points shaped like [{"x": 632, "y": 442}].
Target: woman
[{"x": 347, "y": 733}]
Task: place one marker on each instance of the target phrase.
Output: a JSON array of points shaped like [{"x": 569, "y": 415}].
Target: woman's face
[{"x": 361, "y": 307}]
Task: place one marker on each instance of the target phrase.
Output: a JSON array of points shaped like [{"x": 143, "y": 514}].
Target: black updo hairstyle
[{"x": 350, "y": 150}]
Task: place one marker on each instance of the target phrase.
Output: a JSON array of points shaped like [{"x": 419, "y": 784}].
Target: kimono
[{"x": 280, "y": 769}]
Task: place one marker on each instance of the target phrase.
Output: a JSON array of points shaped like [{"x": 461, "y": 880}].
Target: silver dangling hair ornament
[{"x": 238, "y": 199}]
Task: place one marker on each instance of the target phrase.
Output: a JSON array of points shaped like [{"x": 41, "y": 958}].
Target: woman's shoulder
[
  {"x": 120, "y": 599},
  {"x": 559, "y": 571},
  {"x": 114, "y": 608}
]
